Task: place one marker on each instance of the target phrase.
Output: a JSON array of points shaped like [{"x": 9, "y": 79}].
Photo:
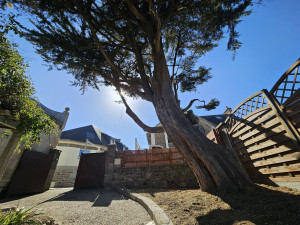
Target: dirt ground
[{"x": 264, "y": 205}]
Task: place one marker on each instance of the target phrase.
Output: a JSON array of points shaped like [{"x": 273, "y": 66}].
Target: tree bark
[{"x": 215, "y": 167}]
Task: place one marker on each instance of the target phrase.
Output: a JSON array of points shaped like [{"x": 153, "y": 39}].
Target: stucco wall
[
  {"x": 160, "y": 139},
  {"x": 9, "y": 158},
  {"x": 47, "y": 142},
  {"x": 69, "y": 156},
  {"x": 10, "y": 169},
  {"x": 4, "y": 140}
]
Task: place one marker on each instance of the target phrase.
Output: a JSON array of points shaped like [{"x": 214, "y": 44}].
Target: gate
[
  {"x": 90, "y": 171},
  {"x": 33, "y": 174}
]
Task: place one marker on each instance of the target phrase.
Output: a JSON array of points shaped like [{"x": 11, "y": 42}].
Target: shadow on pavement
[{"x": 99, "y": 197}]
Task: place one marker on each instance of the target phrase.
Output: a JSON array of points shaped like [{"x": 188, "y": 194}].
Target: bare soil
[{"x": 263, "y": 205}]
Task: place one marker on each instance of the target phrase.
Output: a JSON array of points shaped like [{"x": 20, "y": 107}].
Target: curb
[{"x": 156, "y": 213}]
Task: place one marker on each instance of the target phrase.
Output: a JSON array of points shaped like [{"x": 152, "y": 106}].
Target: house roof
[
  {"x": 59, "y": 117},
  {"x": 93, "y": 134},
  {"x": 207, "y": 123},
  {"x": 215, "y": 119}
]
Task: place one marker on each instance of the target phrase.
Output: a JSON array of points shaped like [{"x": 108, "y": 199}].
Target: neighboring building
[
  {"x": 51, "y": 141},
  {"x": 10, "y": 159},
  {"x": 73, "y": 143},
  {"x": 205, "y": 125}
]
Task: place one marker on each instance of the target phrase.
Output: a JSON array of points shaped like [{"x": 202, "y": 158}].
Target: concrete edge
[{"x": 156, "y": 213}]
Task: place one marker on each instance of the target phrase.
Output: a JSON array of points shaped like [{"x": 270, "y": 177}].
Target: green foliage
[
  {"x": 20, "y": 216},
  {"x": 209, "y": 106},
  {"x": 16, "y": 94},
  {"x": 192, "y": 78},
  {"x": 113, "y": 42},
  {"x": 15, "y": 85}
]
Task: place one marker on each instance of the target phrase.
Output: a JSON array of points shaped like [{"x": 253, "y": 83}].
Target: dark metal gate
[
  {"x": 90, "y": 171},
  {"x": 33, "y": 172}
]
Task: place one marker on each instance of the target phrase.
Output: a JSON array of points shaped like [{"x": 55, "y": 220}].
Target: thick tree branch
[
  {"x": 135, "y": 11},
  {"x": 175, "y": 87},
  {"x": 137, "y": 119},
  {"x": 173, "y": 10},
  {"x": 175, "y": 56},
  {"x": 191, "y": 103},
  {"x": 140, "y": 63},
  {"x": 174, "y": 82},
  {"x": 143, "y": 95}
]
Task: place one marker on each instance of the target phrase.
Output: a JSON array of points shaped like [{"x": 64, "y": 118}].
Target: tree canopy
[{"x": 111, "y": 42}]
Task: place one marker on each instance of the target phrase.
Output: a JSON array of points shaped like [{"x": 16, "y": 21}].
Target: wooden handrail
[{"x": 284, "y": 79}]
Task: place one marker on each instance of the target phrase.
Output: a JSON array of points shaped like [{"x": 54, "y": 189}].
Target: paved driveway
[{"x": 87, "y": 206}]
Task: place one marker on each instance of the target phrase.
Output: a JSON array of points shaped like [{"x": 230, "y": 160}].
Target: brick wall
[
  {"x": 64, "y": 176},
  {"x": 167, "y": 176}
]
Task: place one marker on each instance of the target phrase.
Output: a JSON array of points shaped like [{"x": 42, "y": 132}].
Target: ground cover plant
[{"x": 20, "y": 216}]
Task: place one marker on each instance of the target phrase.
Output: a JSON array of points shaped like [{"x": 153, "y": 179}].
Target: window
[{"x": 171, "y": 145}]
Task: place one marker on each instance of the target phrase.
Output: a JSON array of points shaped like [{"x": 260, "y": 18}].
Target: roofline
[
  {"x": 69, "y": 141},
  {"x": 94, "y": 127}
]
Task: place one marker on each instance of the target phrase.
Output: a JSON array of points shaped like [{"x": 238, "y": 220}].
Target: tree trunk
[{"x": 214, "y": 166}]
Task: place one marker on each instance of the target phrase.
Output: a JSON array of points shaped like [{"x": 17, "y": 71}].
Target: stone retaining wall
[
  {"x": 167, "y": 176},
  {"x": 158, "y": 176},
  {"x": 64, "y": 176}
]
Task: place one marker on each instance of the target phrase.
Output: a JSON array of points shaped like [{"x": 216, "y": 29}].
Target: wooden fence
[
  {"x": 265, "y": 130},
  {"x": 136, "y": 158}
]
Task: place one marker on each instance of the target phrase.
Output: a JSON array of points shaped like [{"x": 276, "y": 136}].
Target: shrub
[
  {"x": 20, "y": 216},
  {"x": 16, "y": 93}
]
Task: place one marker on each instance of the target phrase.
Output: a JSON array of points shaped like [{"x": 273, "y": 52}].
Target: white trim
[
  {"x": 152, "y": 139},
  {"x": 166, "y": 140}
]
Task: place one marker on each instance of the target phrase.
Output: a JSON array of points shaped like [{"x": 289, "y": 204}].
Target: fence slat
[
  {"x": 281, "y": 169},
  {"x": 136, "y": 158}
]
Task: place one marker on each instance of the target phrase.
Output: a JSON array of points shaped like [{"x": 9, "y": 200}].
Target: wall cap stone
[{"x": 156, "y": 213}]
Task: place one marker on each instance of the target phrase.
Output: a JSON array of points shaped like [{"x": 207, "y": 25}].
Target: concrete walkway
[{"x": 86, "y": 206}]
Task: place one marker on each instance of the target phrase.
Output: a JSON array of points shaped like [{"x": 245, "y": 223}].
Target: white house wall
[{"x": 47, "y": 141}]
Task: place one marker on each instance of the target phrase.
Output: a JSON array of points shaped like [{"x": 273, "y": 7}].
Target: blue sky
[{"x": 270, "y": 36}]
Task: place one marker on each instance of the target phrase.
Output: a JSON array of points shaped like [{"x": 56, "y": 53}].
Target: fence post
[
  {"x": 136, "y": 157},
  {"x": 122, "y": 159},
  {"x": 282, "y": 116},
  {"x": 109, "y": 164},
  {"x": 147, "y": 157}
]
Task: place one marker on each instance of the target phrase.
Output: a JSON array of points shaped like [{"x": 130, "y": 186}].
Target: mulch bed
[{"x": 264, "y": 205}]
